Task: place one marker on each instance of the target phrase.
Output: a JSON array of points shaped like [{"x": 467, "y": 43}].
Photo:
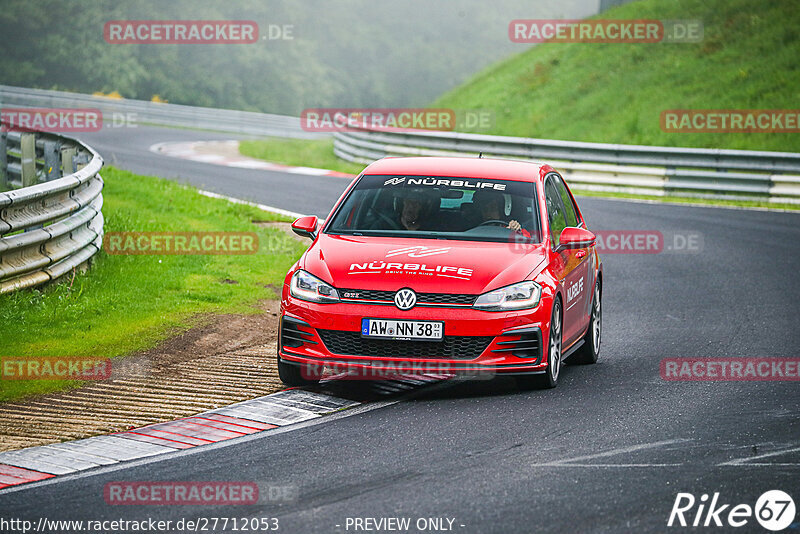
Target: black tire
[
  {"x": 292, "y": 375},
  {"x": 588, "y": 352},
  {"x": 549, "y": 379}
]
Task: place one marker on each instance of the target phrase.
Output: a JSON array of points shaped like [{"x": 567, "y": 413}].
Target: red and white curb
[
  {"x": 241, "y": 419},
  {"x": 203, "y": 152},
  {"x": 261, "y": 414}
]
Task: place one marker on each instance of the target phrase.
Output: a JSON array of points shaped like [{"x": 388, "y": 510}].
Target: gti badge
[{"x": 405, "y": 299}]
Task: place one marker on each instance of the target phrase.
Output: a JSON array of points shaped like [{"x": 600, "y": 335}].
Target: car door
[{"x": 570, "y": 266}]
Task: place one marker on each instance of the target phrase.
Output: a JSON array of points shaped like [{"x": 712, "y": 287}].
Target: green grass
[
  {"x": 128, "y": 303},
  {"x": 614, "y": 93},
  {"x": 299, "y": 152}
]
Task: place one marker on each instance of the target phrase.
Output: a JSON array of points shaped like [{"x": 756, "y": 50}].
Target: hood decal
[
  {"x": 419, "y": 269},
  {"x": 426, "y": 266},
  {"x": 418, "y": 251}
]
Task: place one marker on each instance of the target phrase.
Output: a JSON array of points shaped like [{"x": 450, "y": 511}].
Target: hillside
[
  {"x": 340, "y": 54},
  {"x": 749, "y": 59}
]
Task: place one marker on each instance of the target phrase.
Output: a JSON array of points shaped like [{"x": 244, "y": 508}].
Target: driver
[
  {"x": 490, "y": 204},
  {"x": 415, "y": 210}
]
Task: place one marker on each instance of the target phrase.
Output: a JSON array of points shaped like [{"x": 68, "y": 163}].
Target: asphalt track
[
  {"x": 128, "y": 148},
  {"x": 606, "y": 451}
]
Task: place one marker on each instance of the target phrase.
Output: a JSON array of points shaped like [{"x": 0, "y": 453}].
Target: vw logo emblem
[{"x": 405, "y": 299}]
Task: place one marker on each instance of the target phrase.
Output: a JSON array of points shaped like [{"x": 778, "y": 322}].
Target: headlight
[
  {"x": 306, "y": 286},
  {"x": 514, "y": 297}
]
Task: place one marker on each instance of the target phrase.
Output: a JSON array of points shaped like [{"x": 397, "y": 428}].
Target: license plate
[{"x": 402, "y": 329}]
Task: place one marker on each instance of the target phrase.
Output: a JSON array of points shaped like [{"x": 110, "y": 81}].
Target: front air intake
[
  {"x": 294, "y": 332},
  {"x": 524, "y": 343}
]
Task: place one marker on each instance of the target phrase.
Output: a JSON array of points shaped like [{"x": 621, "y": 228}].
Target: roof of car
[{"x": 499, "y": 169}]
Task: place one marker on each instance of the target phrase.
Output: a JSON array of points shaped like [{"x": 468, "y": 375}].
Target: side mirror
[
  {"x": 306, "y": 227},
  {"x": 572, "y": 238}
]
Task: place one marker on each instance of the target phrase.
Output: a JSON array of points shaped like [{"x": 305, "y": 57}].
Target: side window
[
  {"x": 555, "y": 211},
  {"x": 566, "y": 200}
]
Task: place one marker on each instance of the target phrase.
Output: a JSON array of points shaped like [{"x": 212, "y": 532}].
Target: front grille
[
  {"x": 366, "y": 294},
  {"x": 422, "y": 298},
  {"x": 446, "y": 298},
  {"x": 450, "y": 348}
]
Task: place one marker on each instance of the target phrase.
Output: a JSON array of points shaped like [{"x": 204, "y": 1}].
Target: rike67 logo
[{"x": 774, "y": 510}]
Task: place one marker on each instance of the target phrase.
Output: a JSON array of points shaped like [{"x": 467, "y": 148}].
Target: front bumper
[{"x": 476, "y": 342}]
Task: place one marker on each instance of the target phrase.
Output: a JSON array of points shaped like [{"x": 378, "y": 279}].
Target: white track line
[
  {"x": 623, "y": 450},
  {"x": 749, "y": 460},
  {"x": 264, "y": 207}
]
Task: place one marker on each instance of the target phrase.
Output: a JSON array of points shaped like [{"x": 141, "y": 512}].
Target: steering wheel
[
  {"x": 494, "y": 222},
  {"x": 394, "y": 224}
]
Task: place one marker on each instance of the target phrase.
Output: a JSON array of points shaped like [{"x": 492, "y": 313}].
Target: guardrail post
[
  {"x": 81, "y": 160},
  {"x": 52, "y": 160},
  {"x": 4, "y": 185},
  {"x": 27, "y": 144},
  {"x": 68, "y": 160}
]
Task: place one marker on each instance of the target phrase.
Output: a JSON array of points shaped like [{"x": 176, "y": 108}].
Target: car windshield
[{"x": 433, "y": 207}]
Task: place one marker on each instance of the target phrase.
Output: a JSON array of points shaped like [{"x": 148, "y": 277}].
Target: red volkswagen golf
[{"x": 450, "y": 265}]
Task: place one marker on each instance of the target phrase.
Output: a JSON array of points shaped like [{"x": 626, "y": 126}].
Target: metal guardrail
[
  {"x": 50, "y": 186},
  {"x": 649, "y": 170},
  {"x": 162, "y": 114},
  {"x": 50, "y": 202}
]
